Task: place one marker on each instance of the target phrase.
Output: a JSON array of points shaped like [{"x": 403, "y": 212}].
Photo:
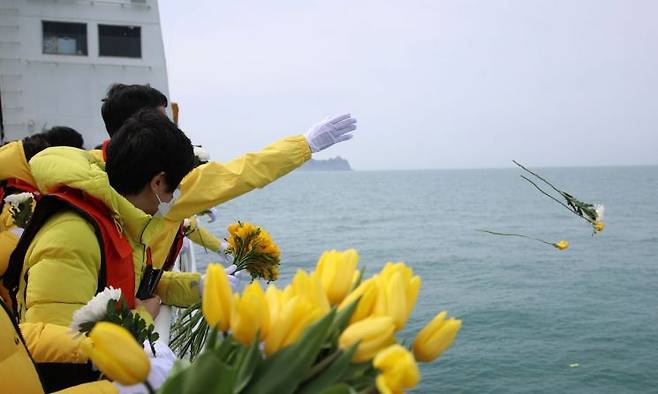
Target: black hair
[
  {"x": 123, "y": 101},
  {"x": 34, "y": 144},
  {"x": 148, "y": 143},
  {"x": 63, "y": 136}
]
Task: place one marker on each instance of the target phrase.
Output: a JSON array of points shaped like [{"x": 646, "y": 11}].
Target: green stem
[
  {"x": 514, "y": 235},
  {"x": 212, "y": 338},
  {"x": 149, "y": 387},
  {"x": 556, "y": 200},
  {"x": 544, "y": 180}
]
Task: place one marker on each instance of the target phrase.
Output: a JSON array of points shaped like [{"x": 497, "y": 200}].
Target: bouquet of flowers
[
  {"x": 253, "y": 251},
  {"x": 329, "y": 331},
  {"x": 109, "y": 306},
  {"x": 21, "y": 208}
]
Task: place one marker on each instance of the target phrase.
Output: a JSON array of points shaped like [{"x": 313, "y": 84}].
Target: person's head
[
  {"x": 33, "y": 144},
  {"x": 147, "y": 159},
  {"x": 63, "y": 136},
  {"x": 123, "y": 101}
]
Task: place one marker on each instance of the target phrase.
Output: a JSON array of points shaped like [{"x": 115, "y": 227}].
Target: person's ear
[{"x": 158, "y": 184}]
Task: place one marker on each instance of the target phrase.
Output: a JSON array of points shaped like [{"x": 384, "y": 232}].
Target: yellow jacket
[
  {"x": 200, "y": 236},
  {"x": 61, "y": 266},
  {"x": 17, "y": 370},
  {"x": 13, "y": 163},
  {"x": 214, "y": 183}
]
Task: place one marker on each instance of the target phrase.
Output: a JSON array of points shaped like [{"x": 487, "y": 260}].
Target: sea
[{"x": 535, "y": 319}]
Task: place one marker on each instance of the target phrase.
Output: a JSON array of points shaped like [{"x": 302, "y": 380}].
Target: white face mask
[{"x": 165, "y": 207}]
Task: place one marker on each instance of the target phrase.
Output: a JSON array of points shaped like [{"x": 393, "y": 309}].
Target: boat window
[
  {"x": 64, "y": 38},
  {"x": 120, "y": 41}
]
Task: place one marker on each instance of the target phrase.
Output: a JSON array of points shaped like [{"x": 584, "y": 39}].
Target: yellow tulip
[
  {"x": 561, "y": 244},
  {"x": 367, "y": 290},
  {"x": 392, "y": 299},
  {"x": 117, "y": 354},
  {"x": 435, "y": 337},
  {"x": 373, "y": 334},
  {"x": 309, "y": 287},
  {"x": 289, "y": 322},
  {"x": 250, "y": 315},
  {"x": 398, "y": 368},
  {"x": 217, "y": 298},
  {"x": 335, "y": 271},
  {"x": 599, "y": 226}
]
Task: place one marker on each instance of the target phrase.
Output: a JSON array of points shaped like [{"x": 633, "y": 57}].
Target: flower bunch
[
  {"x": 21, "y": 207},
  {"x": 253, "y": 250},
  {"x": 591, "y": 213},
  {"x": 326, "y": 330},
  {"x": 109, "y": 306}
]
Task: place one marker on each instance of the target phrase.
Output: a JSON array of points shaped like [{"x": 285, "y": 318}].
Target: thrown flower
[{"x": 561, "y": 245}]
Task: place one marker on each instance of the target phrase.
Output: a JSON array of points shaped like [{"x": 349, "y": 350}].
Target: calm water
[{"x": 529, "y": 311}]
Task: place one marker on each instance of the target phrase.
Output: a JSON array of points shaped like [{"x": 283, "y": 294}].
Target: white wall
[{"x": 45, "y": 90}]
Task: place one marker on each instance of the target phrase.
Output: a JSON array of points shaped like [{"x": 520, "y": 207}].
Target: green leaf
[
  {"x": 208, "y": 374},
  {"x": 330, "y": 375},
  {"x": 338, "y": 389},
  {"x": 284, "y": 371},
  {"x": 247, "y": 365},
  {"x": 342, "y": 319}
]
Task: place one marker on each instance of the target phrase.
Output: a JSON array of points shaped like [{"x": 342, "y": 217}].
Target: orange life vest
[{"x": 116, "y": 268}]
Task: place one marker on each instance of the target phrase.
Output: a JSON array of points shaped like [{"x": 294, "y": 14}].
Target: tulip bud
[
  {"x": 367, "y": 290},
  {"x": 335, "y": 271},
  {"x": 373, "y": 334},
  {"x": 117, "y": 354},
  {"x": 288, "y": 324},
  {"x": 398, "y": 368},
  {"x": 217, "y": 298},
  {"x": 435, "y": 337},
  {"x": 250, "y": 315},
  {"x": 309, "y": 287}
]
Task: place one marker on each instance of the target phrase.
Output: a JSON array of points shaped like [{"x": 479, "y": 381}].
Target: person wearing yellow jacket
[
  {"x": 15, "y": 177},
  {"x": 63, "y": 263},
  {"x": 18, "y": 373}
]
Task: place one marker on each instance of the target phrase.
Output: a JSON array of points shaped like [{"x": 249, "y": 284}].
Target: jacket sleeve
[
  {"x": 200, "y": 236},
  {"x": 180, "y": 289},
  {"x": 61, "y": 267},
  {"x": 13, "y": 163},
  {"x": 214, "y": 183},
  {"x": 51, "y": 343}
]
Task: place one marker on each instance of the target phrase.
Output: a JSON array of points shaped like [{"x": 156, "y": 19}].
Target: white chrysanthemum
[
  {"x": 16, "y": 199},
  {"x": 600, "y": 210},
  {"x": 201, "y": 153},
  {"x": 95, "y": 309}
]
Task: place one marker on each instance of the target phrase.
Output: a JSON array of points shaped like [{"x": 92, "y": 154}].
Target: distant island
[{"x": 335, "y": 164}]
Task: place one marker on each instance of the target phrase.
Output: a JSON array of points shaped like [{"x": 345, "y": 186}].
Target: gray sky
[{"x": 434, "y": 84}]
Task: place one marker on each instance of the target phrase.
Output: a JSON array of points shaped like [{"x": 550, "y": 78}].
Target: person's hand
[
  {"x": 152, "y": 305},
  {"x": 225, "y": 258},
  {"x": 235, "y": 279},
  {"x": 330, "y": 131}
]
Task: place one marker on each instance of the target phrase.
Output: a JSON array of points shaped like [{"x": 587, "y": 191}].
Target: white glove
[
  {"x": 161, "y": 365},
  {"x": 212, "y": 215},
  {"x": 225, "y": 258},
  {"x": 330, "y": 131},
  {"x": 235, "y": 280}
]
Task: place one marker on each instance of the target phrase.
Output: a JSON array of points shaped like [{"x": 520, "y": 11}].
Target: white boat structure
[{"x": 57, "y": 60}]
